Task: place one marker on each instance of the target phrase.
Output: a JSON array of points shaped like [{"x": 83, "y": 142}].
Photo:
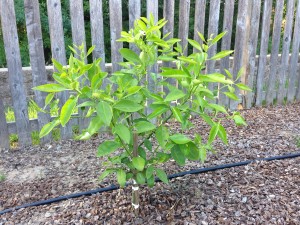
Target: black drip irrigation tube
[{"x": 172, "y": 176}]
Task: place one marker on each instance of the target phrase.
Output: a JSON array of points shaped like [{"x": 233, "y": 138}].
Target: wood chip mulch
[{"x": 259, "y": 193}]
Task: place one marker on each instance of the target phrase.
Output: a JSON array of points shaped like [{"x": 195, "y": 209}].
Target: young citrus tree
[{"x": 140, "y": 146}]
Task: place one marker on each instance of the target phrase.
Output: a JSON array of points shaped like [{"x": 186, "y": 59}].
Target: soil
[{"x": 259, "y": 193}]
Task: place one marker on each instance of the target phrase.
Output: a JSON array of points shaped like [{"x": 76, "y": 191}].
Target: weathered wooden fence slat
[
  {"x": 294, "y": 60},
  {"x": 37, "y": 58},
  {"x": 200, "y": 7},
  {"x": 265, "y": 30},
  {"x": 58, "y": 50},
  {"x": 226, "y": 43},
  {"x": 252, "y": 48},
  {"x": 282, "y": 75},
  {"x": 240, "y": 40},
  {"x": 183, "y": 29},
  {"x": 97, "y": 31},
  {"x": 15, "y": 73},
  {"x": 115, "y": 17},
  {"x": 271, "y": 85},
  {"x": 134, "y": 8}
]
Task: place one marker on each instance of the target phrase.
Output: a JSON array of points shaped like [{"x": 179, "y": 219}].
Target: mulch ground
[{"x": 259, "y": 193}]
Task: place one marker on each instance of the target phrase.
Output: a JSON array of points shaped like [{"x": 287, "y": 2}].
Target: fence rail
[{"x": 256, "y": 27}]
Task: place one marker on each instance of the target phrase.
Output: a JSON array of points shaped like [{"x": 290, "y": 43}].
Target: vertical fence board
[
  {"x": 37, "y": 58},
  {"x": 152, "y": 8},
  {"x": 58, "y": 49},
  {"x": 294, "y": 59},
  {"x": 226, "y": 43},
  {"x": 200, "y": 6},
  {"x": 240, "y": 38},
  {"x": 274, "y": 53},
  {"x": 282, "y": 91},
  {"x": 97, "y": 32},
  {"x": 213, "y": 25},
  {"x": 134, "y": 8},
  {"x": 265, "y": 30},
  {"x": 4, "y": 136},
  {"x": 15, "y": 73},
  {"x": 115, "y": 17},
  {"x": 78, "y": 37},
  {"x": 252, "y": 47},
  {"x": 183, "y": 30}
]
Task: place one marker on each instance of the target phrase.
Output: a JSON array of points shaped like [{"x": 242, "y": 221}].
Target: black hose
[{"x": 115, "y": 187}]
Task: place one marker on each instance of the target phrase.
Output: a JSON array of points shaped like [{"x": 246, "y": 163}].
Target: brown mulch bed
[{"x": 259, "y": 193}]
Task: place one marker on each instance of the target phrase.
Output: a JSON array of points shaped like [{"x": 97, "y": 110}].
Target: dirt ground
[{"x": 259, "y": 193}]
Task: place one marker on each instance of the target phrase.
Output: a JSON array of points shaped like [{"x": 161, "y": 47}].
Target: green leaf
[
  {"x": 213, "y": 133},
  {"x": 216, "y": 77},
  {"x": 105, "y": 174},
  {"x": 202, "y": 154},
  {"x": 95, "y": 124},
  {"x": 150, "y": 181},
  {"x": 107, "y": 147},
  {"x": 239, "y": 120},
  {"x": 144, "y": 126},
  {"x": 218, "y": 37},
  {"x": 104, "y": 112},
  {"x": 48, "y": 99},
  {"x": 158, "y": 111},
  {"x": 123, "y": 132},
  {"x": 221, "y": 54},
  {"x": 180, "y": 139},
  {"x": 121, "y": 177},
  {"x": 228, "y": 73},
  {"x": 91, "y": 49},
  {"x": 149, "y": 172},
  {"x": 243, "y": 87},
  {"x": 138, "y": 163},
  {"x": 50, "y": 88},
  {"x": 47, "y": 128},
  {"x": 134, "y": 89},
  {"x": 222, "y": 134},
  {"x": 142, "y": 153},
  {"x": 67, "y": 110},
  {"x": 232, "y": 96},
  {"x": 162, "y": 157},
  {"x": 162, "y": 135},
  {"x": 140, "y": 178},
  {"x": 178, "y": 155},
  {"x": 57, "y": 65},
  {"x": 148, "y": 144},
  {"x": 193, "y": 152},
  {"x": 177, "y": 113},
  {"x": 174, "y": 73},
  {"x": 195, "y": 44},
  {"x": 175, "y": 94},
  {"x": 127, "y": 106},
  {"x": 162, "y": 175},
  {"x": 218, "y": 108},
  {"x": 130, "y": 55}
]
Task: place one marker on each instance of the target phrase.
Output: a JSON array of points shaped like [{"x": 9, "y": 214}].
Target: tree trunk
[{"x": 135, "y": 187}]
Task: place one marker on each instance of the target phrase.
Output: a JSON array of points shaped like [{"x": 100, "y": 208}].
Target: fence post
[
  {"x": 134, "y": 10},
  {"x": 265, "y": 31},
  {"x": 282, "y": 90},
  {"x": 275, "y": 50},
  {"x": 78, "y": 37},
  {"x": 294, "y": 76},
  {"x": 15, "y": 73},
  {"x": 37, "y": 58},
  {"x": 252, "y": 47},
  {"x": 200, "y": 6},
  {"x": 115, "y": 17},
  {"x": 58, "y": 50},
  {"x": 240, "y": 38},
  {"x": 226, "y": 43},
  {"x": 183, "y": 29}
]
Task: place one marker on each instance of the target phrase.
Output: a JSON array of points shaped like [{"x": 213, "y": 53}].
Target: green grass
[{"x": 33, "y": 114}]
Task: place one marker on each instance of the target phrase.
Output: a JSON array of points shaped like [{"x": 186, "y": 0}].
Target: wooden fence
[{"x": 258, "y": 27}]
